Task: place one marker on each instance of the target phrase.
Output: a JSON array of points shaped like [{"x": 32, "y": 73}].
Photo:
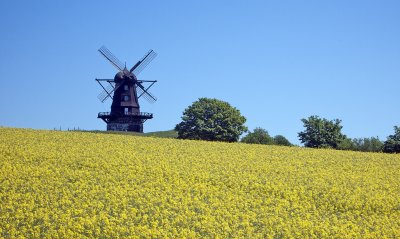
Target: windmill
[{"x": 125, "y": 90}]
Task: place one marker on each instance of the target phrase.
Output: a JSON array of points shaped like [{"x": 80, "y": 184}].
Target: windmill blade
[
  {"x": 140, "y": 65},
  {"x": 145, "y": 93},
  {"x": 111, "y": 58},
  {"x": 146, "y": 96},
  {"x": 107, "y": 91}
]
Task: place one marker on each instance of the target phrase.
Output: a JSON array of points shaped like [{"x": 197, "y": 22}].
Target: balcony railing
[{"x": 141, "y": 114}]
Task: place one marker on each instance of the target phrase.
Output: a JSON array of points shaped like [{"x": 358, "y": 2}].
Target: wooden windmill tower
[{"x": 125, "y": 90}]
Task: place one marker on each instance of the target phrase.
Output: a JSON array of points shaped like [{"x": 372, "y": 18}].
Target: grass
[{"x": 158, "y": 134}]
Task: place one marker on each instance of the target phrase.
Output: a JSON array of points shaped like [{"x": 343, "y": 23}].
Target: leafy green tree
[
  {"x": 392, "y": 143},
  {"x": 211, "y": 119},
  {"x": 321, "y": 133},
  {"x": 368, "y": 144},
  {"x": 372, "y": 144},
  {"x": 347, "y": 144},
  {"x": 258, "y": 136},
  {"x": 281, "y": 140}
]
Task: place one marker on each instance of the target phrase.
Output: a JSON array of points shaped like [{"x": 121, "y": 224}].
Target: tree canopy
[
  {"x": 372, "y": 144},
  {"x": 321, "y": 133},
  {"x": 258, "y": 136},
  {"x": 213, "y": 120},
  {"x": 281, "y": 140},
  {"x": 392, "y": 143},
  {"x": 261, "y": 136}
]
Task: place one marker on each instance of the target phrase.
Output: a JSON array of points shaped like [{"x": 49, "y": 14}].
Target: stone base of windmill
[{"x": 131, "y": 127}]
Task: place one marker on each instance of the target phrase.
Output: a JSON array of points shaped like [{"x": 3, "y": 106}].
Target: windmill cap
[{"x": 124, "y": 74}]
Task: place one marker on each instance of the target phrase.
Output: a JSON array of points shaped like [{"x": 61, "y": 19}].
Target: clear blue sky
[{"x": 276, "y": 61}]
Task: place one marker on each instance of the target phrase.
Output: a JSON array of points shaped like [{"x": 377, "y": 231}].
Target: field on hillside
[{"x": 86, "y": 185}]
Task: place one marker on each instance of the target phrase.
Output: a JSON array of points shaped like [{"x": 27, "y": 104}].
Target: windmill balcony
[{"x": 142, "y": 115}]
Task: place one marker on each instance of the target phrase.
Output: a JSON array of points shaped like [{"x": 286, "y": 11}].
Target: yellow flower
[{"x": 84, "y": 185}]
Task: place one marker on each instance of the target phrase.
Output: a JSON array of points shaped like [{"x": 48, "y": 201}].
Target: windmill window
[
  {"x": 126, "y": 87},
  {"x": 126, "y": 111},
  {"x": 126, "y": 97}
]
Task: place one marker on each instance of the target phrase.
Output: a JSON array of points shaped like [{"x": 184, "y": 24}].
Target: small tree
[
  {"x": 372, "y": 144},
  {"x": 211, "y": 119},
  {"x": 347, "y": 144},
  {"x": 281, "y": 140},
  {"x": 392, "y": 143},
  {"x": 258, "y": 136},
  {"x": 321, "y": 133},
  {"x": 368, "y": 144}
]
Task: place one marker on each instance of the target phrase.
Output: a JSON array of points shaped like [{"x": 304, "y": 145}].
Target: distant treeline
[
  {"x": 323, "y": 133},
  {"x": 261, "y": 136},
  {"x": 216, "y": 120}
]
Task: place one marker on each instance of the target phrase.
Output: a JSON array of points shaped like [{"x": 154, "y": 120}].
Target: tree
[
  {"x": 392, "y": 143},
  {"x": 281, "y": 140},
  {"x": 368, "y": 144},
  {"x": 211, "y": 119},
  {"x": 347, "y": 144},
  {"x": 321, "y": 133},
  {"x": 258, "y": 136},
  {"x": 372, "y": 144}
]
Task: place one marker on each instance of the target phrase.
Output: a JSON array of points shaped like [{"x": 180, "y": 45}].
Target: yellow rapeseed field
[{"x": 86, "y": 185}]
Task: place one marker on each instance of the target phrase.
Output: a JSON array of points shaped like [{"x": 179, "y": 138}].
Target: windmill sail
[
  {"x": 147, "y": 95},
  {"x": 107, "y": 91},
  {"x": 111, "y": 58},
  {"x": 140, "y": 65}
]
